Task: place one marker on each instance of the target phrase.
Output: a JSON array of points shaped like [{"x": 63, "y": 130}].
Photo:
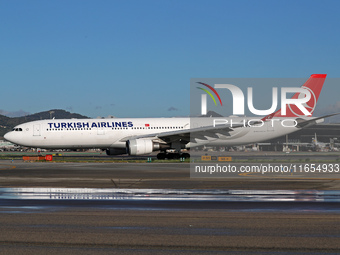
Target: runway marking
[{"x": 6, "y": 167}]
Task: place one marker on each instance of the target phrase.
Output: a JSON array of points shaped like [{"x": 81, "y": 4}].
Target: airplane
[
  {"x": 321, "y": 146},
  {"x": 314, "y": 145},
  {"x": 170, "y": 136}
]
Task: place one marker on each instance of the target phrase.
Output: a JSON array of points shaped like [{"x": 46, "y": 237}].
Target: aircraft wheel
[
  {"x": 185, "y": 155},
  {"x": 161, "y": 156},
  {"x": 176, "y": 156},
  {"x": 169, "y": 155}
]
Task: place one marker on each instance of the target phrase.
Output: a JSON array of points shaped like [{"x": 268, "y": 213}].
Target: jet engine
[{"x": 141, "y": 146}]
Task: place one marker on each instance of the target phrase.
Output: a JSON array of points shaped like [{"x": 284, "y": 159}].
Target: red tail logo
[{"x": 313, "y": 85}]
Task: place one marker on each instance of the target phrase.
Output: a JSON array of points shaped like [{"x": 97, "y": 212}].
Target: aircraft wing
[{"x": 302, "y": 123}]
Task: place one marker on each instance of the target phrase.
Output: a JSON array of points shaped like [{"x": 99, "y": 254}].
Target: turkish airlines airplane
[{"x": 138, "y": 136}]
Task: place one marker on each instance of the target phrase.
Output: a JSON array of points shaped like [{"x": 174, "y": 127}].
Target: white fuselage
[
  {"x": 89, "y": 133},
  {"x": 113, "y": 132}
]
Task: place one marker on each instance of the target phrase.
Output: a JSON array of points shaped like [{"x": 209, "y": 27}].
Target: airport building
[{"x": 326, "y": 134}]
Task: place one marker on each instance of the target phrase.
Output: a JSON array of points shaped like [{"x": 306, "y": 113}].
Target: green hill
[{"x": 7, "y": 123}]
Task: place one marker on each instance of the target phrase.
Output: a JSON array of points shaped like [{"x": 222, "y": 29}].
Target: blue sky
[{"x": 135, "y": 58}]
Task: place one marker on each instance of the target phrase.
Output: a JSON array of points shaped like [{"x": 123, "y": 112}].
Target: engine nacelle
[
  {"x": 115, "y": 151},
  {"x": 141, "y": 146}
]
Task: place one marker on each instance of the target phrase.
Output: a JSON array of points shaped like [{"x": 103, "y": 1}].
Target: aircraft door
[{"x": 36, "y": 130}]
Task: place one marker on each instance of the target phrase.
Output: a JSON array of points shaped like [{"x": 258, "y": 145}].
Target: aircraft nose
[{"x": 8, "y": 136}]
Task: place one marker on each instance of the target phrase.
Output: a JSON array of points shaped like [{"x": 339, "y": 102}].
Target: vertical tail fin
[
  {"x": 313, "y": 85},
  {"x": 315, "y": 139}
]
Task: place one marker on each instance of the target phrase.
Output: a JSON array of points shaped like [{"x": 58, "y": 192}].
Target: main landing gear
[{"x": 164, "y": 155}]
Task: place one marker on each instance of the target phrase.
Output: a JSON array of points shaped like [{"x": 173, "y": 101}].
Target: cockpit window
[{"x": 17, "y": 129}]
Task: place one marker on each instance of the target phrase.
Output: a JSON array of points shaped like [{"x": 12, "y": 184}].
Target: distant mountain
[
  {"x": 7, "y": 123},
  {"x": 4, "y": 125}
]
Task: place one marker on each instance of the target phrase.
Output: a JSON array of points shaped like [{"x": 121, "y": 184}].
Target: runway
[
  {"x": 134, "y": 221},
  {"x": 152, "y": 176},
  {"x": 81, "y": 231},
  {"x": 129, "y": 208}
]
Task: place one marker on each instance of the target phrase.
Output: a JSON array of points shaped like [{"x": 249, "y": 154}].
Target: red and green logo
[{"x": 209, "y": 93}]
